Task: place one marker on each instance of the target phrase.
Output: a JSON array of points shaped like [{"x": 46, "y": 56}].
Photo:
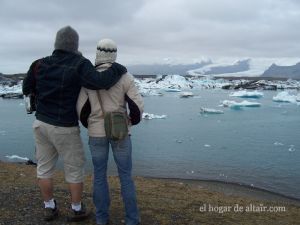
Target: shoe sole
[
  {"x": 78, "y": 218},
  {"x": 53, "y": 217}
]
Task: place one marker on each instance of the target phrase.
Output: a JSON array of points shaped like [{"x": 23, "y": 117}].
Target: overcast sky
[{"x": 151, "y": 31}]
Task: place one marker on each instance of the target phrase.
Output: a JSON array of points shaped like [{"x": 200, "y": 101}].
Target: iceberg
[
  {"x": 16, "y": 157},
  {"x": 285, "y": 96},
  {"x": 292, "y": 148},
  {"x": 149, "y": 92},
  {"x": 149, "y": 116},
  {"x": 186, "y": 94},
  {"x": 16, "y": 89},
  {"x": 278, "y": 143},
  {"x": 247, "y": 94},
  {"x": 172, "y": 90},
  {"x": 210, "y": 111},
  {"x": 238, "y": 105}
]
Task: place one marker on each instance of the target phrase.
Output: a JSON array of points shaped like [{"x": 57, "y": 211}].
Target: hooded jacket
[{"x": 56, "y": 81}]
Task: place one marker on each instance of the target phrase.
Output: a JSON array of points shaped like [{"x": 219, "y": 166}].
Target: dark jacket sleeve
[
  {"x": 29, "y": 81},
  {"x": 92, "y": 79}
]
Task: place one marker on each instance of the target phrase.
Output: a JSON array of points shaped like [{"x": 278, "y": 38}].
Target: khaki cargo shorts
[{"x": 52, "y": 142}]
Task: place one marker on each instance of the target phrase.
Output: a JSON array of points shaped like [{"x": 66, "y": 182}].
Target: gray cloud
[{"x": 148, "y": 31}]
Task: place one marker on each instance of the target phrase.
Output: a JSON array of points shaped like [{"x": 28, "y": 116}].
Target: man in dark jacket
[{"x": 56, "y": 81}]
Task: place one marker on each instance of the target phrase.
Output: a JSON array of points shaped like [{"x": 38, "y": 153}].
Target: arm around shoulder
[
  {"x": 92, "y": 79},
  {"x": 29, "y": 81}
]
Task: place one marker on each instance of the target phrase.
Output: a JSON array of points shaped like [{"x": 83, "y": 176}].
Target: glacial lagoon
[{"x": 256, "y": 146}]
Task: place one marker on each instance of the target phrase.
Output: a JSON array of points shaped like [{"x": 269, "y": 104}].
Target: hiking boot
[
  {"x": 50, "y": 214},
  {"x": 74, "y": 216}
]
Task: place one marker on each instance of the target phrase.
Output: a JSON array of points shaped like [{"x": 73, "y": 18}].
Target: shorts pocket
[{"x": 67, "y": 130}]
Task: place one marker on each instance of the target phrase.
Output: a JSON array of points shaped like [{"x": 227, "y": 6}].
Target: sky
[{"x": 152, "y": 31}]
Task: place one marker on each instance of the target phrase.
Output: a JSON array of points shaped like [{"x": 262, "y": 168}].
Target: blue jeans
[{"x": 99, "y": 147}]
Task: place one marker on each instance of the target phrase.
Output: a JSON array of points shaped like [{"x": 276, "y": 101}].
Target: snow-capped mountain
[
  {"x": 223, "y": 67},
  {"x": 292, "y": 72}
]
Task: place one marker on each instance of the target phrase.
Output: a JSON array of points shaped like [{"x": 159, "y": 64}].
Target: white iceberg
[
  {"x": 16, "y": 157},
  {"x": 278, "y": 143},
  {"x": 238, "y": 105},
  {"x": 16, "y": 89},
  {"x": 149, "y": 92},
  {"x": 292, "y": 148},
  {"x": 149, "y": 116},
  {"x": 186, "y": 94},
  {"x": 285, "y": 96},
  {"x": 172, "y": 90},
  {"x": 247, "y": 94},
  {"x": 210, "y": 111}
]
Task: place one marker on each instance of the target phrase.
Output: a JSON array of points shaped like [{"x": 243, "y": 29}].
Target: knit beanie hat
[
  {"x": 67, "y": 39},
  {"x": 106, "y": 52}
]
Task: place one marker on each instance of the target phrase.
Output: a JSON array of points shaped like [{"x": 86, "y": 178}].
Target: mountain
[
  {"x": 223, "y": 68},
  {"x": 154, "y": 69},
  {"x": 283, "y": 71},
  {"x": 11, "y": 79},
  {"x": 4, "y": 80}
]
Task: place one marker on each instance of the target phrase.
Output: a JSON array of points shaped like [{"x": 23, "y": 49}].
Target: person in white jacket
[{"x": 116, "y": 99}]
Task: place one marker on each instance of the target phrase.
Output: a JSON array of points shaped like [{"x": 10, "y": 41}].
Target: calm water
[{"x": 254, "y": 146}]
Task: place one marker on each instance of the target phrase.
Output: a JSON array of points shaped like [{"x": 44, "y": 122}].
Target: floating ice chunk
[
  {"x": 210, "y": 111},
  {"x": 298, "y": 98},
  {"x": 278, "y": 143},
  {"x": 190, "y": 172},
  {"x": 285, "y": 96},
  {"x": 186, "y": 94},
  {"x": 292, "y": 148},
  {"x": 238, "y": 105},
  {"x": 247, "y": 94},
  {"x": 172, "y": 90},
  {"x": 149, "y": 116},
  {"x": 207, "y": 146},
  {"x": 150, "y": 92},
  {"x": 16, "y": 157},
  {"x": 179, "y": 141}
]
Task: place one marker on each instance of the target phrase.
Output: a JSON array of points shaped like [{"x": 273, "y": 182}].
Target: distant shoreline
[
  {"x": 256, "y": 78},
  {"x": 21, "y": 76},
  {"x": 241, "y": 190}
]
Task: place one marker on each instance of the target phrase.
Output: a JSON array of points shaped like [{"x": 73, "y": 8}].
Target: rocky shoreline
[{"x": 161, "y": 202}]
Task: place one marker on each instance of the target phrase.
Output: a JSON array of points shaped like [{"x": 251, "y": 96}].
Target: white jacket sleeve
[{"x": 134, "y": 100}]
